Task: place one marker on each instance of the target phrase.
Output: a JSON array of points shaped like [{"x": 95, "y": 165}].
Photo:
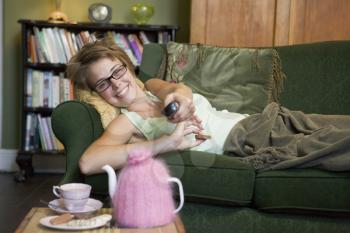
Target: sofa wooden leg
[{"x": 26, "y": 167}]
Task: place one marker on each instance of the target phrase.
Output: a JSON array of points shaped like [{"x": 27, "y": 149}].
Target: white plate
[
  {"x": 91, "y": 206},
  {"x": 78, "y": 224}
]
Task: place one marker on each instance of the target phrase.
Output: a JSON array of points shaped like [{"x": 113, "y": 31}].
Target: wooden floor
[{"x": 16, "y": 199}]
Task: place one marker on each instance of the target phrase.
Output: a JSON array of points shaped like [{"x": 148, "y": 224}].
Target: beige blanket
[{"x": 279, "y": 138}]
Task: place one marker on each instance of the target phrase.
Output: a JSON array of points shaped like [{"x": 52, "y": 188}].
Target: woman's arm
[
  {"x": 169, "y": 92},
  {"x": 112, "y": 147}
]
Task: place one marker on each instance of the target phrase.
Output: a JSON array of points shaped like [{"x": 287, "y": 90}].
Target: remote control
[{"x": 170, "y": 109}]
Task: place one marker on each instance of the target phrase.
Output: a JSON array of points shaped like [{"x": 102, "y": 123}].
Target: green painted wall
[{"x": 168, "y": 12}]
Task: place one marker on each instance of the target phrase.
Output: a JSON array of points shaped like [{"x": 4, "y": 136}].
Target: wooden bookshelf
[{"x": 48, "y": 57}]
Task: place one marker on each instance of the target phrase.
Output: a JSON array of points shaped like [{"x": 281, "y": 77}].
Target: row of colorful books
[
  {"x": 163, "y": 37},
  {"x": 46, "y": 89},
  {"x": 39, "y": 134},
  {"x": 55, "y": 45},
  {"x": 131, "y": 44},
  {"x": 58, "y": 45}
]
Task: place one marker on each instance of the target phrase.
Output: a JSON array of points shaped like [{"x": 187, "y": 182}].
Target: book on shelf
[
  {"x": 59, "y": 45},
  {"x": 41, "y": 131},
  {"x": 138, "y": 43},
  {"x": 86, "y": 37},
  {"x": 55, "y": 90},
  {"x": 31, "y": 133},
  {"x": 51, "y": 45},
  {"x": 64, "y": 44},
  {"x": 29, "y": 88},
  {"x": 57, "y": 145},
  {"x": 31, "y": 49},
  {"x": 49, "y": 133},
  {"x": 163, "y": 37},
  {"x": 39, "y": 134},
  {"x": 75, "y": 41},
  {"x": 72, "y": 48},
  {"x": 122, "y": 42},
  {"x": 47, "y": 137},
  {"x": 27, "y": 141},
  {"x": 40, "y": 46},
  {"x": 46, "y": 89},
  {"x": 134, "y": 46},
  {"x": 160, "y": 37},
  {"x": 37, "y": 89},
  {"x": 144, "y": 38}
]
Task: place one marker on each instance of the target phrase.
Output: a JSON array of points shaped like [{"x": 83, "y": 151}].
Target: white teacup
[{"x": 74, "y": 195}]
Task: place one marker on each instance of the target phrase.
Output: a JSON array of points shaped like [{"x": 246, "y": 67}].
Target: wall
[
  {"x": 168, "y": 12},
  {"x": 1, "y": 76}
]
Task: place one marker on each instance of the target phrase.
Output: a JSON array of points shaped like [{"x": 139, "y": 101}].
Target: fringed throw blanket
[{"x": 279, "y": 138}]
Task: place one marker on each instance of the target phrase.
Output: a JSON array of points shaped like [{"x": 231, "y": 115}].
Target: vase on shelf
[{"x": 142, "y": 12}]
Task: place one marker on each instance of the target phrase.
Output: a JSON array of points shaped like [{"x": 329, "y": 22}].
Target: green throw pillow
[{"x": 242, "y": 80}]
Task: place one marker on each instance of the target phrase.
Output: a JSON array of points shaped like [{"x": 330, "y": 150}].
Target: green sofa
[{"x": 225, "y": 195}]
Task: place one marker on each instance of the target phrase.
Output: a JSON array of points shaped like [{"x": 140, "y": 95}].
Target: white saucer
[
  {"x": 91, "y": 206},
  {"x": 78, "y": 224}
]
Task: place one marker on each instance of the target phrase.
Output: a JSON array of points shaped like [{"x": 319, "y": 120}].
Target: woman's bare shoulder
[
  {"x": 119, "y": 131},
  {"x": 121, "y": 124}
]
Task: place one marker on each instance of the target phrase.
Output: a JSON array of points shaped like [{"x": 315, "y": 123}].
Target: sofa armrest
[{"x": 76, "y": 125}]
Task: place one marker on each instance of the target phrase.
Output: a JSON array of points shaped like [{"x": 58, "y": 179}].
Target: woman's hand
[
  {"x": 173, "y": 92},
  {"x": 178, "y": 137},
  {"x": 185, "y": 106}
]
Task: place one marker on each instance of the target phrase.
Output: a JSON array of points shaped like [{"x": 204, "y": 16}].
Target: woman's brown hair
[{"x": 77, "y": 68}]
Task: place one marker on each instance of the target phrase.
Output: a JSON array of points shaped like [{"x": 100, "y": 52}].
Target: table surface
[{"x": 30, "y": 224}]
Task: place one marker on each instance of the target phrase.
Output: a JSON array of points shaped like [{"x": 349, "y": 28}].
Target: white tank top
[{"x": 217, "y": 124}]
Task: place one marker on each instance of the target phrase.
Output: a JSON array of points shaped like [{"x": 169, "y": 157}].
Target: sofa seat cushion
[
  {"x": 303, "y": 190},
  {"x": 206, "y": 178},
  {"x": 212, "y": 178}
]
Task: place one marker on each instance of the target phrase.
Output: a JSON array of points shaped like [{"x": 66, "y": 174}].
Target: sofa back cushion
[
  {"x": 318, "y": 77},
  {"x": 237, "y": 79}
]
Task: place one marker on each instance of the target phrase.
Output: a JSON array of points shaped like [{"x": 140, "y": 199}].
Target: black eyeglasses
[{"x": 117, "y": 74}]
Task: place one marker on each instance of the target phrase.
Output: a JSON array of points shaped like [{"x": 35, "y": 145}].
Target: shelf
[
  {"x": 46, "y": 66},
  {"x": 38, "y": 110},
  {"x": 98, "y": 26},
  {"x": 41, "y": 152},
  {"x": 36, "y": 77}
]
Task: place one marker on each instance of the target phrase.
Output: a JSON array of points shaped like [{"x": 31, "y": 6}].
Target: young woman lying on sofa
[{"x": 106, "y": 69}]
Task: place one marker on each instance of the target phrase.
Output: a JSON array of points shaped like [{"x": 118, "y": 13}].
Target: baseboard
[{"x": 8, "y": 160}]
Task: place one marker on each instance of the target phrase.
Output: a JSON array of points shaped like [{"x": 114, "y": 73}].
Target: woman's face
[{"x": 122, "y": 91}]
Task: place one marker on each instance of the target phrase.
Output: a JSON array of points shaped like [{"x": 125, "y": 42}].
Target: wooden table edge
[
  {"x": 180, "y": 227},
  {"x": 26, "y": 220}
]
